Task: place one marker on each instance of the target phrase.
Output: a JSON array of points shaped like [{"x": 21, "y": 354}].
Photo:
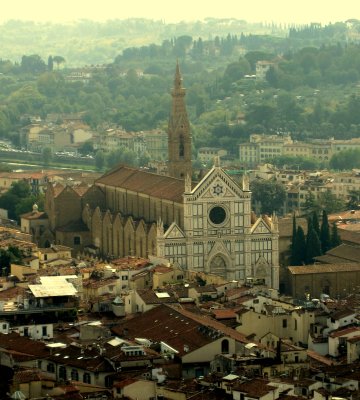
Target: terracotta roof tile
[
  {"x": 154, "y": 185},
  {"x": 22, "y": 345},
  {"x": 255, "y": 388},
  {"x": 31, "y": 375},
  {"x": 149, "y": 297},
  {"x": 286, "y": 226},
  {"x": 12, "y": 293},
  {"x": 323, "y": 268},
  {"x": 346, "y": 252},
  {"x": 343, "y": 332},
  {"x": 224, "y": 314}
]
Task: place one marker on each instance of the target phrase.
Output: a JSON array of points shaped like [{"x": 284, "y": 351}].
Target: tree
[
  {"x": 100, "y": 160},
  {"x": 33, "y": 64},
  {"x": 346, "y": 159},
  {"x": 86, "y": 148},
  {"x": 315, "y": 223},
  {"x": 335, "y": 238},
  {"x": 18, "y": 199},
  {"x": 20, "y": 189},
  {"x": 353, "y": 200},
  {"x": 58, "y": 60},
  {"x": 310, "y": 203},
  {"x": 5, "y": 262},
  {"x": 330, "y": 203},
  {"x": 50, "y": 83},
  {"x": 313, "y": 246},
  {"x": 325, "y": 233},
  {"x": 299, "y": 248},
  {"x": 12, "y": 255},
  {"x": 269, "y": 193},
  {"x": 46, "y": 155},
  {"x": 293, "y": 239},
  {"x": 50, "y": 64}
]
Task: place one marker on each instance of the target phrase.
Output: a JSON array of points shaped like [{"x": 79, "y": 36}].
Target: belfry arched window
[{"x": 181, "y": 146}]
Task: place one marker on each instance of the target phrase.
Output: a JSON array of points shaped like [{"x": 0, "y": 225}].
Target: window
[
  {"x": 225, "y": 346},
  {"x": 74, "y": 375},
  {"x": 181, "y": 146},
  {"x": 86, "y": 378},
  {"x": 284, "y": 323},
  {"x": 44, "y": 330},
  {"x": 77, "y": 240},
  {"x": 62, "y": 372},
  {"x": 50, "y": 367}
]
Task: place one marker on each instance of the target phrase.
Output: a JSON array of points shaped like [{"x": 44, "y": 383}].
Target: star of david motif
[{"x": 218, "y": 190}]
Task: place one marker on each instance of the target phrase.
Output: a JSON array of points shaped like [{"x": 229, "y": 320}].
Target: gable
[
  {"x": 217, "y": 185},
  {"x": 174, "y": 232},
  {"x": 260, "y": 227},
  {"x": 218, "y": 248}
]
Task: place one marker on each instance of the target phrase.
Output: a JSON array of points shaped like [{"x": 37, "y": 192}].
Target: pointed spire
[
  {"x": 160, "y": 227},
  {"x": 177, "y": 79},
  {"x": 275, "y": 222},
  {"x": 245, "y": 183},
  {"x": 187, "y": 183},
  {"x": 179, "y": 135},
  {"x": 216, "y": 161}
]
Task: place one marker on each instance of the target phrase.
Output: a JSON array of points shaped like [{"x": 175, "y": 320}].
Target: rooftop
[{"x": 135, "y": 180}]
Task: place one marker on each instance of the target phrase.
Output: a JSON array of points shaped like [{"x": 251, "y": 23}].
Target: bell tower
[{"x": 179, "y": 138}]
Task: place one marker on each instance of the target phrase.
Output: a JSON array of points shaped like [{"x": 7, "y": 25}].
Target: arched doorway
[{"x": 218, "y": 265}]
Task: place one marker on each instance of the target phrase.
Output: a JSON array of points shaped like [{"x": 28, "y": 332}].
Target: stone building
[
  {"x": 206, "y": 226},
  {"x": 335, "y": 280}
]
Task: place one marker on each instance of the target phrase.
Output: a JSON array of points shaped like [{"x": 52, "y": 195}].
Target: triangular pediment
[
  {"x": 260, "y": 226},
  {"x": 174, "y": 232},
  {"x": 218, "y": 248},
  {"x": 217, "y": 185}
]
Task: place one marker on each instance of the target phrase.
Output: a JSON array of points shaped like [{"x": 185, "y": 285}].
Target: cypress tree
[
  {"x": 300, "y": 247},
  {"x": 325, "y": 233},
  {"x": 315, "y": 223},
  {"x": 335, "y": 238},
  {"x": 309, "y": 224},
  {"x": 313, "y": 246},
  {"x": 293, "y": 242}
]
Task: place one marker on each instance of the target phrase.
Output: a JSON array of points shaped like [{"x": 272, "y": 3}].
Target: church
[{"x": 205, "y": 226}]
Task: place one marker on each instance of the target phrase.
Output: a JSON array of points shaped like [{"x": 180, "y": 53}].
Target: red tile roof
[
  {"x": 318, "y": 357},
  {"x": 224, "y": 314},
  {"x": 344, "y": 332},
  {"x": 139, "y": 181},
  {"x": 256, "y": 388},
  {"x": 22, "y": 347},
  {"x": 323, "y": 268},
  {"x": 149, "y": 297},
  {"x": 31, "y": 375},
  {"x": 176, "y": 327}
]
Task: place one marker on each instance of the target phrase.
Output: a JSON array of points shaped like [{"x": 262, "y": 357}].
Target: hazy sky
[{"x": 297, "y": 11}]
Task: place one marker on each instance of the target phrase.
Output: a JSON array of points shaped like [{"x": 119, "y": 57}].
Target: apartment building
[
  {"x": 261, "y": 148},
  {"x": 57, "y": 137},
  {"x": 206, "y": 154},
  {"x": 153, "y": 142}
]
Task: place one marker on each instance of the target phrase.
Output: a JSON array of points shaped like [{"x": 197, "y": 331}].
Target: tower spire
[{"x": 179, "y": 137}]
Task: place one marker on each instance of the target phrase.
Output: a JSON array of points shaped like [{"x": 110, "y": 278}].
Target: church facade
[
  {"x": 220, "y": 235},
  {"x": 206, "y": 226}
]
